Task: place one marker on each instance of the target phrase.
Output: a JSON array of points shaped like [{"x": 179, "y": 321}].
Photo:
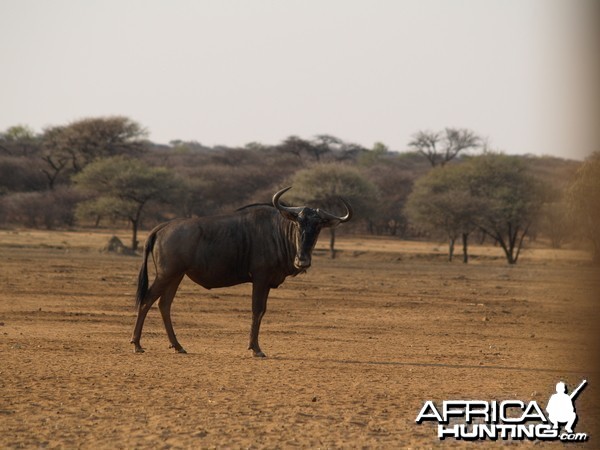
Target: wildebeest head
[{"x": 309, "y": 223}]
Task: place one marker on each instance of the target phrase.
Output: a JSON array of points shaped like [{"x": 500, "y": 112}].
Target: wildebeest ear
[
  {"x": 289, "y": 213},
  {"x": 330, "y": 223}
]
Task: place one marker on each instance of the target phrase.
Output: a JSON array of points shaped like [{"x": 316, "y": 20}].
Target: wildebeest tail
[{"x": 142, "y": 288}]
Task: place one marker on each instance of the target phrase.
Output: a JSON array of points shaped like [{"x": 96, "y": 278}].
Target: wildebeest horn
[
  {"x": 329, "y": 216},
  {"x": 285, "y": 209},
  {"x": 294, "y": 211}
]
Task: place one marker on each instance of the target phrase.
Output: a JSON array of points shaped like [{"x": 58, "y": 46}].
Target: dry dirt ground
[{"x": 355, "y": 347}]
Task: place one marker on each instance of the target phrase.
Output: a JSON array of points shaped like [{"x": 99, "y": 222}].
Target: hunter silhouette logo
[
  {"x": 560, "y": 406},
  {"x": 508, "y": 419}
]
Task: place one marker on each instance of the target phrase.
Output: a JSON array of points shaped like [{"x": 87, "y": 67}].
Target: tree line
[{"x": 447, "y": 185}]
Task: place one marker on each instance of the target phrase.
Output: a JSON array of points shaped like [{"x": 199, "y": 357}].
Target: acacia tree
[
  {"x": 584, "y": 198},
  {"x": 509, "y": 199},
  {"x": 19, "y": 140},
  {"x": 123, "y": 187},
  {"x": 297, "y": 146},
  {"x": 321, "y": 147},
  {"x": 72, "y": 147},
  {"x": 495, "y": 193},
  {"x": 55, "y": 155},
  {"x": 441, "y": 200},
  {"x": 322, "y": 185},
  {"x": 443, "y": 146}
]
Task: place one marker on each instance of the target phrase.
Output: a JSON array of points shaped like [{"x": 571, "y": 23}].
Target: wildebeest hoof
[
  {"x": 178, "y": 350},
  {"x": 138, "y": 349},
  {"x": 259, "y": 354}
]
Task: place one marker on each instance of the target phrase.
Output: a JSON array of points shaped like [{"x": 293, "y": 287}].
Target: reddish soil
[{"x": 355, "y": 347}]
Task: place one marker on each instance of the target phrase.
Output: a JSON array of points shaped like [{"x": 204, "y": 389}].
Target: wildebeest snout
[{"x": 302, "y": 262}]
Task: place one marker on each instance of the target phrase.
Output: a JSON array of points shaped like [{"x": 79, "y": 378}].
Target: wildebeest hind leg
[
  {"x": 164, "y": 305},
  {"x": 153, "y": 293}
]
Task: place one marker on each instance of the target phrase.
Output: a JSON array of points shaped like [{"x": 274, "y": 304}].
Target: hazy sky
[{"x": 519, "y": 72}]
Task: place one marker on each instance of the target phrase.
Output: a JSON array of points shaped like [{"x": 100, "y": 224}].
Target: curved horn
[
  {"x": 285, "y": 209},
  {"x": 329, "y": 216}
]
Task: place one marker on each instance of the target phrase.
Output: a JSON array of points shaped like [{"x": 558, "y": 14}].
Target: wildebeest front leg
[{"x": 260, "y": 293}]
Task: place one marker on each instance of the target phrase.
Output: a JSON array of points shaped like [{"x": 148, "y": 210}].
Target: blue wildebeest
[{"x": 258, "y": 244}]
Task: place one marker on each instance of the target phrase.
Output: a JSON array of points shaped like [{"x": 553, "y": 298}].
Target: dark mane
[{"x": 254, "y": 205}]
